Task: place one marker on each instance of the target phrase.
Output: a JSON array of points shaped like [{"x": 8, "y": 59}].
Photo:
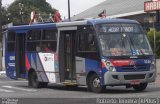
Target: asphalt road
[{"x": 59, "y": 94}]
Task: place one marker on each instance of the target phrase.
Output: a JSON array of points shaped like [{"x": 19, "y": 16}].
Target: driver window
[
  {"x": 86, "y": 42},
  {"x": 87, "y": 46}
]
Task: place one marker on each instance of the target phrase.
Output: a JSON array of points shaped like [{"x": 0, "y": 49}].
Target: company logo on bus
[
  {"x": 123, "y": 62},
  {"x": 132, "y": 62},
  {"x": 48, "y": 59}
]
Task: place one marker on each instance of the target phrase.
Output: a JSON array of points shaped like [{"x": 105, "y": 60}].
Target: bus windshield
[{"x": 123, "y": 40}]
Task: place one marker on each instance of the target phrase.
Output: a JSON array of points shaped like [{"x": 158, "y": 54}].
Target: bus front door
[
  {"x": 67, "y": 56},
  {"x": 20, "y": 55}
]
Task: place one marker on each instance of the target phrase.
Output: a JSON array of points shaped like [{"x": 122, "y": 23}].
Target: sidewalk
[
  {"x": 158, "y": 66},
  {"x": 3, "y": 73}
]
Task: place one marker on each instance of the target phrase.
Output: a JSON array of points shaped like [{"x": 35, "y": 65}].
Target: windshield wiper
[
  {"x": 132, "y": 43},
  {"x": 136, "y": 47}
]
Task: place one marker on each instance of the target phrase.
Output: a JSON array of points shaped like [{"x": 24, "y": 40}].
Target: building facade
[{"x": 127, "y": 9}]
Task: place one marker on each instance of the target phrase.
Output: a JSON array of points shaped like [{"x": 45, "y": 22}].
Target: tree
[
  {"x": 151, "y": 40},
  {"x": 5, "y": 16},
  {"x": 40, "y": 6}
]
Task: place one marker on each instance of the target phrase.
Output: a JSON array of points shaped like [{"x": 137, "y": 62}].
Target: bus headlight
[
  {"x": 108, "y": 63},
  {"x": 111, "y": 68}
]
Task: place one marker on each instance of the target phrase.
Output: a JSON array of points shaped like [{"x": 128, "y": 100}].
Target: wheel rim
[{"x": 96, "y": 82}]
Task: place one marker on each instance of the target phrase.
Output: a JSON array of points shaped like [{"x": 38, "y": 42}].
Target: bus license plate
[{"x": 135, "y": 82}]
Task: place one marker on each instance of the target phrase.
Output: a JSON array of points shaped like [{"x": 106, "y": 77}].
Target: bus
[{"x": 95, "y": 53}]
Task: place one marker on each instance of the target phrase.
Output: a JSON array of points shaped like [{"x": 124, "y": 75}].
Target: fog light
[
  {"x": 115, "y": 77},
  {"x": 150, "y": 75}
]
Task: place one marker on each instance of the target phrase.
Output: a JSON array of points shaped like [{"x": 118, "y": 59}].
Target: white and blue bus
[{"x": 94, "y": 53}]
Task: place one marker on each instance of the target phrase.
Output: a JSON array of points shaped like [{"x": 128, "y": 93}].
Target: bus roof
[
  {"x": 73, "y": 23},
  {"x": 100, "y": 21}
]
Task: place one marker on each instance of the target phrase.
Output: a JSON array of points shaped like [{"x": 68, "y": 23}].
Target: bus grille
[
  {"x": 135, "y": 68},
  {"x": 132, "y": 77}
]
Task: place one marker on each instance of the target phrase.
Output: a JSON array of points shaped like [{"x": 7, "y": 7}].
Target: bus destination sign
[{"x": 153, "y": 5}]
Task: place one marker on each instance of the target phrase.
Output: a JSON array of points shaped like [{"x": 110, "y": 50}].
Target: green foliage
[
  {"x": 151, "y": 39},
  {"x": 4, "y": 16},
  {"x": 40, "y": 6}
]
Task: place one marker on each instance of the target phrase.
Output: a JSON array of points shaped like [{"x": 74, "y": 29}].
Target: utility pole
[
  {"x": 0, "y": 34},
  {"x": 21, "y": 6},
  {"x": 69, "y": 16}
]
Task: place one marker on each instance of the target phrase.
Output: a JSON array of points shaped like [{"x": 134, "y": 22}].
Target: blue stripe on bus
[
  {"x": 91, "y": 65},
  {"x": 34, "y": 55},
  {"x": 10, "y": 71}
]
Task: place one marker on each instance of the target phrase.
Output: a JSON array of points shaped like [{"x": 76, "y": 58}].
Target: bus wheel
[
  {"x": 33, "y": 80},
  {"x": 95, "y": 84},
  {"x": 140, "y": 87}
]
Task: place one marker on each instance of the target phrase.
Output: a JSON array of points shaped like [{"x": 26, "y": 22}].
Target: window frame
[
  {"x": 86, "y": 54},
  {"x": 41, "y": 40},
  {"x": 33, "y": 41},
  {"x": 11, "y": 41},
  {"x": 82, "y": 33}
]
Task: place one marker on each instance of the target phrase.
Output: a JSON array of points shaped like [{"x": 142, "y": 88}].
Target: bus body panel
[
  {"x": 33, "y": 62},
  {"x": 80, "y": 70},
  {"x": 128, "y": 70},
  {"x": 10, "y": 65},
  {"x": 84, "y": 66},
  {"x": 9, "y": 60},
  {"x": 131, "y": 65},
  {"x": 4, "y": 49},
  {"x": 47, "y": 60},
  {"x": 122, "y": 77},
  {"x": 46, "y": 65}
]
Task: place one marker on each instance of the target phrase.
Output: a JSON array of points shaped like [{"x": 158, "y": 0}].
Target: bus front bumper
[{"x": 124, "y": 78}]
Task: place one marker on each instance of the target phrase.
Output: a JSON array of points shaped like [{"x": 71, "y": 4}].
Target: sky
[{"x": 76, "y": 6}]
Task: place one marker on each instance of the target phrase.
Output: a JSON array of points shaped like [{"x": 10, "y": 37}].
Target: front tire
[
  {"x": 140, "y": 87},
  {"x": 95, "y": 85}
]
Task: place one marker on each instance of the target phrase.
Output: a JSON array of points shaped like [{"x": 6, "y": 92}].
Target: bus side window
[
  {"x": 11, "y": 41},
  {"x": 87, "y": 47},
  {"x": 34, "y": 35},
  {"x": 49, "y": 40},
  {"x": 87, "y": 42},
  {"x": 33, "y": 40}
]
